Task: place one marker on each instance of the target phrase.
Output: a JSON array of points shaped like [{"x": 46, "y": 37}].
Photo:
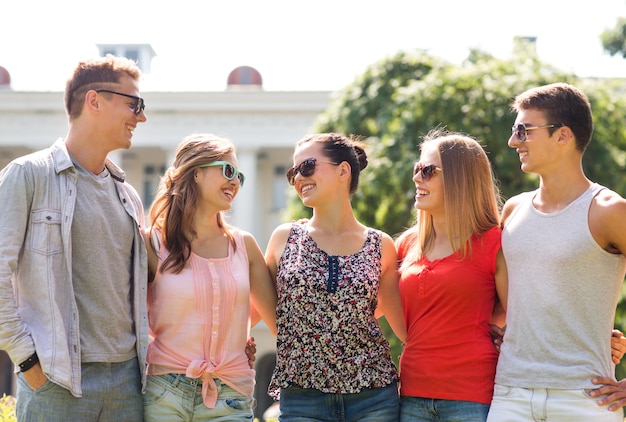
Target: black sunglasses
[
  {"x": 520, "y": 130},
  {"x": 427, "y": 171},
  {"x": 138, "y": 106},
  {"x": 228, "y": 171},
  {"x": 305, "y": 168}
]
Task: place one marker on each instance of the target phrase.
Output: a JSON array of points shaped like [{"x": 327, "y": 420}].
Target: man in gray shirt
[
  {"x": 73, "y": 264},
  {"x": 564, "y": 246}
]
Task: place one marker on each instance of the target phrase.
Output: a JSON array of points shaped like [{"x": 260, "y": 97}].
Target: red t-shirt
[{"x": 447, "y": 304}]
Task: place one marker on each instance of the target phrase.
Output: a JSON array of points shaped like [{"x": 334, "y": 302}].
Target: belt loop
[{"x": 176, "y": 380}]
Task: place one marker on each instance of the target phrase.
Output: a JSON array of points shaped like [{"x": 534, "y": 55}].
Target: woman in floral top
[{"x": 334, "y": 277}]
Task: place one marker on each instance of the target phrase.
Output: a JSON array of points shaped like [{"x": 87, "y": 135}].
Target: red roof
[
  {"x": 245, "y": 75},
  {"x": 5, "y": 77}
]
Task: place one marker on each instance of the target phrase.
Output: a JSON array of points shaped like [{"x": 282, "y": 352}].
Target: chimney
[{"x": 141, "y": 53}]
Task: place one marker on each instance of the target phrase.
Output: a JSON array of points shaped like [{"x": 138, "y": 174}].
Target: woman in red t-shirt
[
  {"x": 451, "y": 264},
  {"x": 452, "y": 282}
]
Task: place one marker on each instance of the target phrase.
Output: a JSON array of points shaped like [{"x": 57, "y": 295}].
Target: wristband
[{"x": 29, "y": 363}]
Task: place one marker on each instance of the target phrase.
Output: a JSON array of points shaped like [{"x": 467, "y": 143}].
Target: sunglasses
[
  {"x": 228, "y": 170},
  {"x": 138, "y": 106},
  {"x": 305, "y": 168},
  {"x": 520, "y": 130},
  {"x": 428, "y": 171}
]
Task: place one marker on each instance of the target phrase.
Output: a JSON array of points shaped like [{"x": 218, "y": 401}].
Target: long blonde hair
[
  {"x": 172, "y": 211},
  {"x": 472, "y": 198}
]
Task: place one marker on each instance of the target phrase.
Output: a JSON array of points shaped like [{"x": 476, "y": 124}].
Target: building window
[
  {"x": 132, "y": 54},
  {"x": 279, "y": 188},
  {"x": 151, "y": 178},
  {"x": 142, "y": 54}
]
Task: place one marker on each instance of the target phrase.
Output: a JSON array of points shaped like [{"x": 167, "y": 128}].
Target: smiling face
[
  {"x": 322, "y": 181},
  {"x": 118, "y": 110},
  {"x": 539, "y": 150},
  {"x": 215, "y": 189},
  {"x": 429, "y": 193}
]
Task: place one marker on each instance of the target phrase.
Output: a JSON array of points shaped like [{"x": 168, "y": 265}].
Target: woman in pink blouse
[{"x": 205, "y": 275}]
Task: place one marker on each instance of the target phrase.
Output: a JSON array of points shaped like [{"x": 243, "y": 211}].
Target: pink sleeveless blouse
[{"x": 200, "y": 321}]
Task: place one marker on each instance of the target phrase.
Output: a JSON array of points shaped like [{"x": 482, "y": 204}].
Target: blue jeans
[
  {"x": 176, "y": 397},
  {"x": 419, "y": 409},
  {"x": 370, "y": 405},
  {"x": 111, "y": 393}
]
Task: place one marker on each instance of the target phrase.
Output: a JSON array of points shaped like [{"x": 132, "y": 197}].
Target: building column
[{"x": 245, "y": 212}]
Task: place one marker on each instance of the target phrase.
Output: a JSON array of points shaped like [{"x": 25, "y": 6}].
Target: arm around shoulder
[
  {"x": 389, "y": 302},
  {"x": 275, "y": 247},
  {"x": 262, "y": 290}
]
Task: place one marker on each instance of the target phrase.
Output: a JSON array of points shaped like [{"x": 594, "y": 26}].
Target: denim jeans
[
  {"x": 513, "y": 404},
  {"x": 111, "y": 393},
  {"x": 369, "y": 405},
  {"x": 176, "y": 397},
  {"x": 419, "y": 409}
]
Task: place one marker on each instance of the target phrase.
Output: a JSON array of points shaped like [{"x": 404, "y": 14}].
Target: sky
[{"x": 295, "y": 45}]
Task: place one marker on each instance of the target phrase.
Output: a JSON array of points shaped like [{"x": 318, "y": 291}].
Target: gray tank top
[{"x": 563, "y": 291}]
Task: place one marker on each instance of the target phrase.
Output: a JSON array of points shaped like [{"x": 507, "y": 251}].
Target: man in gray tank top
[
  {"x": 564, "y": 246},
  {"x": 73, "y": 264}
]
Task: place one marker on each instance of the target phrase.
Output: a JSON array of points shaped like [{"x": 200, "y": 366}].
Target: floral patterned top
[{"x": 328, "y": 338}]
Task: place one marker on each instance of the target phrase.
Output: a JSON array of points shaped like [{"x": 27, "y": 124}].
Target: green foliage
[
  {"x": 614, "y": 39},
  {"x": 7, "y": 409},
  {"x": 400, "y": 98},
  {"x": 609, "y": 125},
  {"x": 605, "y": 159}
]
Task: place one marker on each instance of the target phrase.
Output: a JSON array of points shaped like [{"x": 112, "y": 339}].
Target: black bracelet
[{"x": 29, "y": 363}]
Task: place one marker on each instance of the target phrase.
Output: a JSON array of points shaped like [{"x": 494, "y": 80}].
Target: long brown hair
[
  {"x": 472, "y": 198},
  {"x": 172, "y": 211}
]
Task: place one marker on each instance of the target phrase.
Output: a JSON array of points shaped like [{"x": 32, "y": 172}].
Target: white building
[{"x": 263, "y": 125}]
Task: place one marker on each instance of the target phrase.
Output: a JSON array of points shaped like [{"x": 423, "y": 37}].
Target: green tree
[
  {"x": 400, "y": 98},
  {"x": 614, "y": 39}
]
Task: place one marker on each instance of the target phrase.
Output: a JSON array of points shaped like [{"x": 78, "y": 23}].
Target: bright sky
[{"x": 296, "y": 45}]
